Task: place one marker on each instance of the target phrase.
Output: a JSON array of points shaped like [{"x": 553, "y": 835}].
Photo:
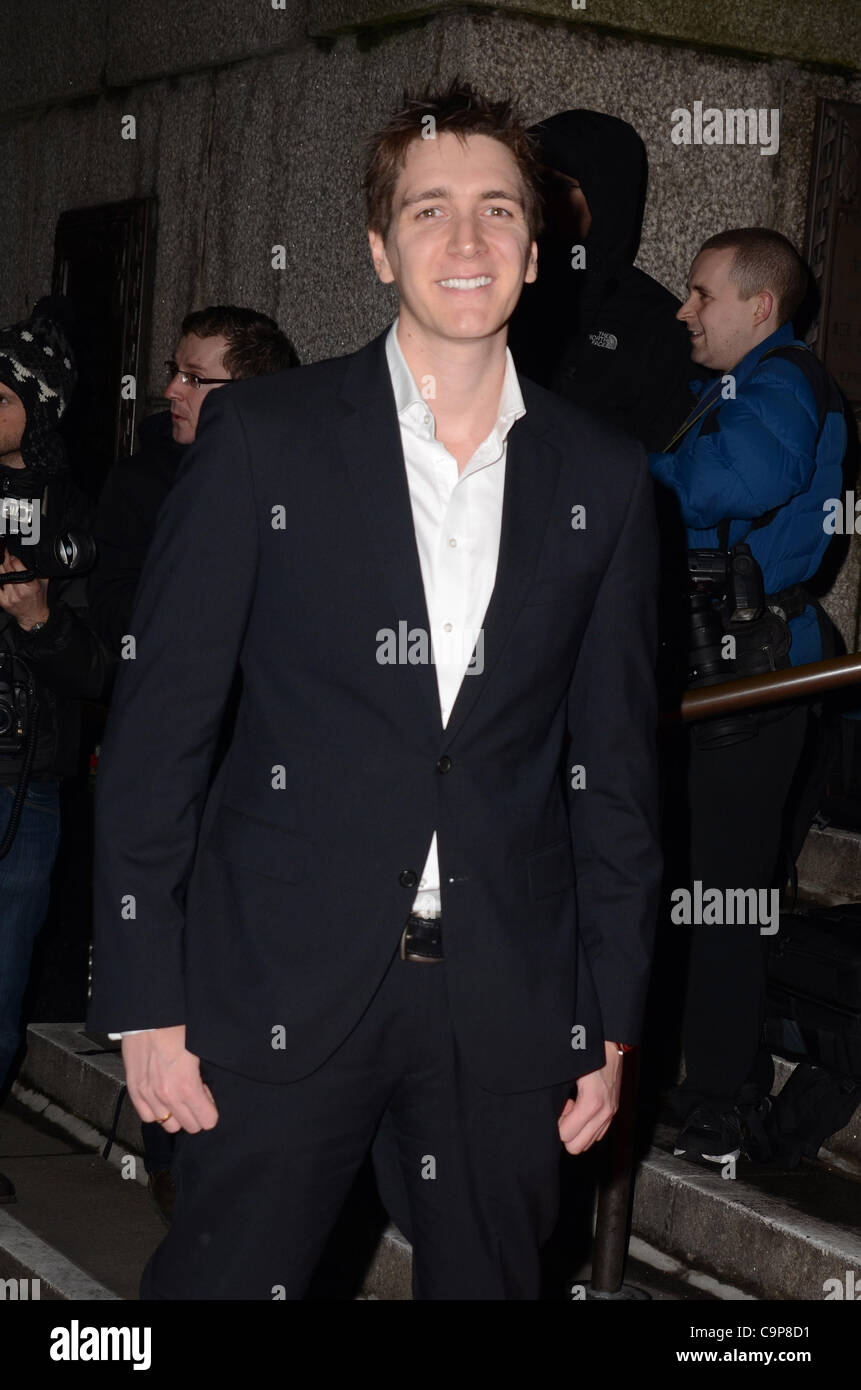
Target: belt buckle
[{"x": 416, "y": 959}]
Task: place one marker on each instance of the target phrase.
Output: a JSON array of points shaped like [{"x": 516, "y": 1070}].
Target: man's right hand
[{"x": 163, "y": 1076}]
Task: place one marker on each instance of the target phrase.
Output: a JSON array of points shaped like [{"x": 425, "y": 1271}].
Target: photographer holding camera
[
  {"x": 751, "y": 469},
  {"x": 49, "y": 656}
]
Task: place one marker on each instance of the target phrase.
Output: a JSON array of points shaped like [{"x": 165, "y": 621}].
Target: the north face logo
[{"x": 604, "y": 340}]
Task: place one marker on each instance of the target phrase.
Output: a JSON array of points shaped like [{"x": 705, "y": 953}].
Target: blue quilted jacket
[{"x": 763, "y": 454}]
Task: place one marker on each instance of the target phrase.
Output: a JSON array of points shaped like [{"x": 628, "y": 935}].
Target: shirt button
[
  {"x": 408, "y": 878},
  {"x": 452, "y": 541},
  {"x": 444, "y": 764},
  {"x": 427, "y": 419},
  {"x": 446, "y": 627}
]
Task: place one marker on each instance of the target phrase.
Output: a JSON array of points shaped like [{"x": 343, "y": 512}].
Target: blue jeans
[{"x": 25, "y": 891}]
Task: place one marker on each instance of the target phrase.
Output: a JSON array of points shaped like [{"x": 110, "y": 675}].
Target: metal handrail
[{"x": 792, "y": 683}]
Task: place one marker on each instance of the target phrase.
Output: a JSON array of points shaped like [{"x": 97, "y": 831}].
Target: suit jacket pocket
[
  {"x": 550, "y": 870},
  {"x": 257, "y": 844}
]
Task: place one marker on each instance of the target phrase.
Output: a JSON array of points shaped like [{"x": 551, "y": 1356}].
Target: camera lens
[{"x": 706, "y": 664}]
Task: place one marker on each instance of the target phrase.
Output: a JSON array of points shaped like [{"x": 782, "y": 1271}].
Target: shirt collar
[{"x": 415, "y": 412}]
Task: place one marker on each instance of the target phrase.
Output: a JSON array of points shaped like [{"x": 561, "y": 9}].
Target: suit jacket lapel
[
  {"x": 371, "y": 444},
  {"x": 531, "y": 476}
]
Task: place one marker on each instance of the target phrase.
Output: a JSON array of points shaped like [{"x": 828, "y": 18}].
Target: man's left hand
[
  {"x": 27, "y": 603},
  {"x": 586, "y": 1120}
]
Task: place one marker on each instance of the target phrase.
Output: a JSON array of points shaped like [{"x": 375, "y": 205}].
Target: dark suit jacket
[{"x": 275, "y": 901}]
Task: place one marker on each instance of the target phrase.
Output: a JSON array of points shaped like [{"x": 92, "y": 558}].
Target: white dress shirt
[{"x": 458, "y": 521}]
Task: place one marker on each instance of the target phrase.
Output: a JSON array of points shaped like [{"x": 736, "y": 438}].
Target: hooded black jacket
[
  {"x": 68, "y": 661},
  {"x": 606, "y": 336}
]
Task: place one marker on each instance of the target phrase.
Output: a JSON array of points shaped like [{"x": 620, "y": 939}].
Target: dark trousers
[
  {"x": 158, "y": 1147},
  {"x": 737, "y": 798},
  {"x": 25, "y": 893},
  {"x": 257, "y": 1196}
]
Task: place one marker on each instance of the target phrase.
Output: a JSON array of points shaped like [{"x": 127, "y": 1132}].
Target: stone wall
[{"x": 250, "y": 121}]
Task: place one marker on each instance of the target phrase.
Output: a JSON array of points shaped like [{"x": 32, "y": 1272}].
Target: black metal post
[{"x": 610, "y": 1247}]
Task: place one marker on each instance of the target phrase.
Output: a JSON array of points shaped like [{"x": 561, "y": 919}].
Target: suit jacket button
[
  {"x": 408, "y": 878},
  {"x": 444, "y": 763}
]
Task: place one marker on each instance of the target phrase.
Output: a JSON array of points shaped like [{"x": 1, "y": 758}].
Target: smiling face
[
  {"x": 201, "y": 357},
  {"x": 458, "y": 246},
  {"x": 13, "y": 421},
  {"x": 723, "y": 326}
]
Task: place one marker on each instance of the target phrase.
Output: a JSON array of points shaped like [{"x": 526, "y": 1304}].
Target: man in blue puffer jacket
[{"x": 757, "y": 460}]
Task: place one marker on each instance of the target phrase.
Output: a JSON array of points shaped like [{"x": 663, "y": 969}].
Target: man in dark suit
[{"x": 418, "y": 899}]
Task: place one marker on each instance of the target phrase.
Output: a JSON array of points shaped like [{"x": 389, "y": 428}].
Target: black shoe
[
  {"x": 710, "y": 1136},
  {"x": 758, "y": 1129},
  {"x": 162, "y": 1192},
  {"x": 813, "y": 1104},
  {"x": 7, "y": 1190}
]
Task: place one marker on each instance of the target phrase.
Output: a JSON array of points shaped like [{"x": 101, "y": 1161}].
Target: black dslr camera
[
  {"x": 30, "y": 530},
  {"x": 17, "y": 704},
  {"x": 726, "y": 588},
  {"x": 732, "y": 632}
]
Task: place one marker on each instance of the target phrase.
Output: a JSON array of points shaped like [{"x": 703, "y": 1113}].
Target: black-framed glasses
[{"x": 189, "y": 378}]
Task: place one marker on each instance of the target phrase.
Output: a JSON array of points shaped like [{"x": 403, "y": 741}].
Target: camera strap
[
  {"x": 699, "y": 410},
  {"x": 825, "y": 390}
]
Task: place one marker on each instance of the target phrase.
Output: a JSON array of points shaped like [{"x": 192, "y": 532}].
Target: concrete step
[
  {"x": 776, "y": 1235},
  {"x": 78, "y": 1226},
  {"x": 829, "y": 866}
]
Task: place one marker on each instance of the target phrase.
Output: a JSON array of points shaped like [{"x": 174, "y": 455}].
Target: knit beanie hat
[{"x": 37, "y": 362}]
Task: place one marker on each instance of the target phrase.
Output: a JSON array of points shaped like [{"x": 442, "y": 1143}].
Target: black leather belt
[{"x": 421, "y": 940}]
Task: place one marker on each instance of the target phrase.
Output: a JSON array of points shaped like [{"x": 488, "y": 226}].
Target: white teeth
[{"x": 472, "y": 284}]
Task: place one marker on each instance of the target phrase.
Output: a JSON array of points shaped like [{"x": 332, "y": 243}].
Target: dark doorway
[
  {"x": 833, "y": 243},
  {"x": 103, "y": 263},
  {"x": 833, "y": 249}
]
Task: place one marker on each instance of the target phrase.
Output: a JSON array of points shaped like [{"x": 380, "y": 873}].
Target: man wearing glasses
[{"x": 217, "y": 345}]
